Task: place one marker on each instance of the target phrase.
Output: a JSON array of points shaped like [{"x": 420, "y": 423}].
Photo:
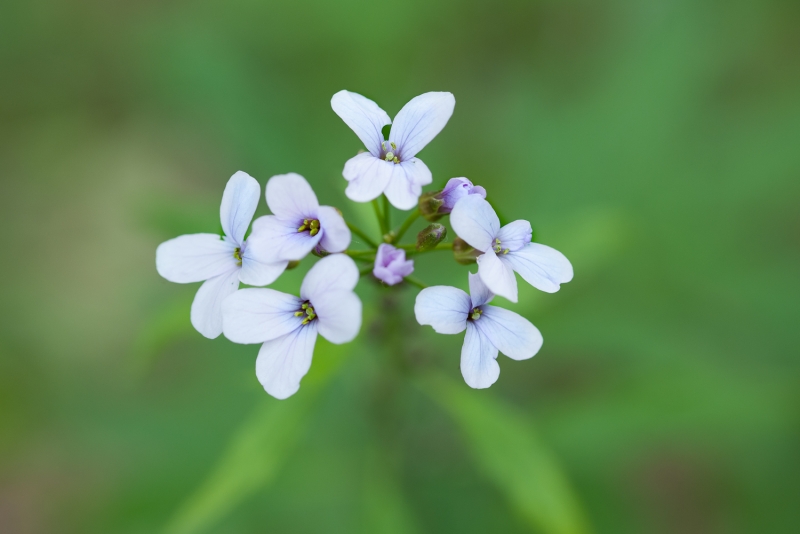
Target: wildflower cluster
[{"x": 287, "y": 325}]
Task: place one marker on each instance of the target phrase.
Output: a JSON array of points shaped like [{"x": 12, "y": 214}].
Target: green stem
[
  {"x": 413, "y": 248},
  {"x": 360, "y": 253},
  {"x": 381, "y": 221},
  {"x": 413, "y": 281},
  {"x": 397, "y": 236},
  {"x": 387, "y": 215},
  {"x": 365, "y": 271},
  {"x": 360, "y": 233}
]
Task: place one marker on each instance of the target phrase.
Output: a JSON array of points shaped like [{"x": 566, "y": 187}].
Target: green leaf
[
  {"x": 258, "y": 449},
  {"x": 509, "y": 453}
]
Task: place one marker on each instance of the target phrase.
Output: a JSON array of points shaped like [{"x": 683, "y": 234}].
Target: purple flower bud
[
  {"x": 391, "y": 265},
  {"x": 455, "y": 190}
]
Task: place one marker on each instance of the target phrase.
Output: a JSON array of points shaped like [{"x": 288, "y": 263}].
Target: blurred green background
[{"x": 655, "y": 143}]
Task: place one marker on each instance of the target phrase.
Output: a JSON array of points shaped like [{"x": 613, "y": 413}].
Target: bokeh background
[{"x": 656, "y": 143}]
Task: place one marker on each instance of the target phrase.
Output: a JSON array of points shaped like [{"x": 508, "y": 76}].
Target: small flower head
[
  {"x": 506, "y": 250},
  {"x": 489, "y": 329},
  {"x": 391, "y": 265},
  {"x": 288, "y": 326},
  {"x": 391, "y": 167}
]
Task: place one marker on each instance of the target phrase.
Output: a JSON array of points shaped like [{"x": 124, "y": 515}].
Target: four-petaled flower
[
  {"x": 390, "y": 167},
  {"x": 220, "y": 262},
  {"x": 391, "y": 265},
  {"x": 489, "y": 329},
  {"x": 298, "y": 223},
  {"x": 507, "y": 249},
  {"x": 288, "y": 326}
]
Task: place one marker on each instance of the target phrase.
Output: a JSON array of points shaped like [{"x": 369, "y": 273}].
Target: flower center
[
  {"x": 475, "y": 314},
  {"x": 309, "y": 225},
  {"x": 498, "y": 249},
  {"x": 390, "y": 152},
  {"x": 237, "y": 253},
  {"x": 306, "y": 310}
]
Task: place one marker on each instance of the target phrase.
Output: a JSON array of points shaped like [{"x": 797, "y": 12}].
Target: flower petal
[
  {"x": 405, "y": 187},
  {"x": 512, "y": 334},
  {"x": 475, "y": 221},
  {"x": 368, "y": 177},
  {"x": 257, "y": 315},
  {"x": 194, "y": 258},
  {"x": 478, "y": 359},
  {"x": 497, "y": 275},
  {"x": 279, "y": 239},
  {"x": 239, "y": 203},
  {"x": 542, "y": 267},
  {"x": 478, "y": 292},
  {"x": 420, "y": 121},
  {"x": 338, "y": 315},
  {"x": 332, "y": 273},
  {"x": 290, "y": 197},
  {"x": 259, "y": 266},
  {"x": 445, "y": 308},
  {"x": 206, "y": 311},
  {"x": 363, "y": 116},
  {"x": 283, "y": 361},
  {"x": 515, "y": 235},
  {"x": 335, "y": 233}
]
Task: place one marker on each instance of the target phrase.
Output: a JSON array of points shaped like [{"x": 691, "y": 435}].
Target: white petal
[
  {"x": 542, "y": 267},
  {"x": 279, "y": 239},
  {"x": 478, "y": 360},
  {"x": 239, "y": 203},
  {"x": 206, "y": 311},
  {"x": 194, "y": 258},
  {"x": 497, "y": 276},
  {"x": 420, "y": 121},
  {"x": 478, "y": 292},
  {"x": 368, "y": 177},
  {"x": 290, "y": 197},
  {"x": 282, "y": 362},
  {"x": 363, "y": 116},
  {"x": 475, "y": 221},
  {"x": 405, "y": 187},
  {"x": 258, "y": 315},
  {"x": 335, "y": 233},
  {"x": 332, "y": 273},
  {"x": 259, "y": 266},
  {"x": 512, "y": 334},
  {"x": 445, "y": 308},
  {"x": 515, "y": 235},
  {"x": 338, "y": 315}
]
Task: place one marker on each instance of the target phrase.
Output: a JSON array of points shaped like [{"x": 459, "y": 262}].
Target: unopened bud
[
  {"x": 463, "y": 253},
  {"x": 431, "y": 236},
  {"x": 320, "y": 252},
  {"x": 429, "y": 206},
  {"x": 292, "y": 265}
]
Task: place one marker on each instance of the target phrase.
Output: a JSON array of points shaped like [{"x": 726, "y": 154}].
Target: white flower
[
  {"x": 489, "y": 329},
  {"x": 298, "y": 222},
  {"x": 507, "y": 249},
  {"x": 390, "y": 166},
  {"x": 288, "y": 326},
  {"x": 221, "y": 262}
]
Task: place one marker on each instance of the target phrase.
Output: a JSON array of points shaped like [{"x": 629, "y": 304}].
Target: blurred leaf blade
[
  {"x": 510, "y": 454},
  {"x": 256, "y": 451}
]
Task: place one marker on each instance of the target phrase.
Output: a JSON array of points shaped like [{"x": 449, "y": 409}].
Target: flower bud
[
  {"x": 429, "y": 205},
  {"x": 319, "y": 252},
  {"x": 292, "y": 265},
  {"x": 431, "y": 236},
  {"x": 463, "y": 253}
]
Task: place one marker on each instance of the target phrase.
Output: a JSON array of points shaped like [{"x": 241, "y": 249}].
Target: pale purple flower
[
  {"x": 507, "y": 249},
  {"x": 455, "y": 190},
  {"x": 221, "y": 262},
  {"x": 489, "y": 329},
  {"x": 390, "y": 167},
  {"x": 391, "y": 265},
  {"x": 298, "y": 223},
  {"x": 288, "y": 326}
]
